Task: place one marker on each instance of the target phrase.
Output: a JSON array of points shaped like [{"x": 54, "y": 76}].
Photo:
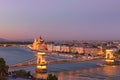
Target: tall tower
[
  {"x": 40, "y": 40},
  {"x": 41, "y": 63},
  {"x": 35, "y": 44},
  {"x": 109, "y": 56}
]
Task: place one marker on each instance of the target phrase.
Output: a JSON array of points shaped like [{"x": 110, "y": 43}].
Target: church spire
[
  {"x": 40, "y": 40},
  {"x": 35, "y": 40}
]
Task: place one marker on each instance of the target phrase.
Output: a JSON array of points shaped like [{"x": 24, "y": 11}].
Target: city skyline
[{"x": 60, "y": 20}]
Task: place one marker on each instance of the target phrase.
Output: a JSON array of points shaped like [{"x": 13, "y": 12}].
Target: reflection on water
[
  {"x": 69, "y": 71},
  {"x": 42, "y": 75},
  {"x": 60, "y": 76},
  {"x": 110, "y": 70},
  {"x": 100, "y": 73}
]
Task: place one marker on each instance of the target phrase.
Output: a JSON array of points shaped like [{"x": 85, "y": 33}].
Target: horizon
[
  {"x": 60, "y": 20},
  {"x": 31, "y": 40}
]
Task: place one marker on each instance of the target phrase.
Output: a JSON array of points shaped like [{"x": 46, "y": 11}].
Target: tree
[
  {"x": 3, "y": 67},
  {"x": 2, "y": 78},
  {"x": 51, "y": 77}
]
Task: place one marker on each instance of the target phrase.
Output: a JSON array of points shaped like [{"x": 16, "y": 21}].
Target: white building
[
  {"x": 79, "y": 50},
  {"x": 57, "y": 48},
  {"x": 91, "y": 51},
  {"x": 65, "y": 48},
  {"x": 49, "y": 47},
  {"x": 73, "y": 50}
]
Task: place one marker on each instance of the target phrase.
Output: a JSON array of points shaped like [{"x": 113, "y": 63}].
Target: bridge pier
[
  {"x": 41, "y": 66},
  {"x": 109, "y": 57}
]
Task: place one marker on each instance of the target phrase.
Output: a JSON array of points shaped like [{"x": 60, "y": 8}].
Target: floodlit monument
[
  {"x": 109, "y": 57},
  {"x": 39, "y": 44},
  {"x": 41, "y": 63}
]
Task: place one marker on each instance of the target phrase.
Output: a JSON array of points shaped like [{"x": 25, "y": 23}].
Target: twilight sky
[{"x": 60, "y": 19}]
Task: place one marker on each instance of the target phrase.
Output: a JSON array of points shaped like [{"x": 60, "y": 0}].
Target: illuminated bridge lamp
[{"x": 41, "y": 63}]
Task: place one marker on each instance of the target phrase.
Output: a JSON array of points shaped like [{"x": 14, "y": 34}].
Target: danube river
[{"x": 69, "y": 71}]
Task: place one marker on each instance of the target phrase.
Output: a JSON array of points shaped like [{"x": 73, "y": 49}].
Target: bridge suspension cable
[{"x": 27, "y": 62}]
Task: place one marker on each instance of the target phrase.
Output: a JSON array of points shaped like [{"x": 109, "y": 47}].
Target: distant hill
[
  {"x": 30, "y": 40},
  {"x": 4, "y": 40},
  {"x": 24, "y": 40}
]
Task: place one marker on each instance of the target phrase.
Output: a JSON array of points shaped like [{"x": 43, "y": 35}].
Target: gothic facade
[{"x": 39, "y": 44}]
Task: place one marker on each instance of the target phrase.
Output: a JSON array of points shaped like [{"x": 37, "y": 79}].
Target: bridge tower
[
  {"x": 109, "y": 58},
  {"x": 41, "y": 63}
]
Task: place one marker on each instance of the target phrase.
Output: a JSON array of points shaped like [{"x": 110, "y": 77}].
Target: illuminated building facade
[
  {"x": 91, "y": 51},
  {"x": 39, "y": 44}
]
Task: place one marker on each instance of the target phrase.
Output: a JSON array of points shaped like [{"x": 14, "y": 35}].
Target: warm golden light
[
  {"x": 40, "y": 75},
  {"x": 109, "y": 60},
  {"x": 41, "y": 67},
  {"x": 100, "y": 52},
  {"x": 41, "y": 53},
  {"x": 109, "y": 50},
  {"x": 109, "y": 54}
]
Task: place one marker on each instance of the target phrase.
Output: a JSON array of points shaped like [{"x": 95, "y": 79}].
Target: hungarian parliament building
[{"x": 40, "y": 45}]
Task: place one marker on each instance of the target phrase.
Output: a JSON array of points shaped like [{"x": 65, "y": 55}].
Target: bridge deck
[{"x": 20, "y": 65}]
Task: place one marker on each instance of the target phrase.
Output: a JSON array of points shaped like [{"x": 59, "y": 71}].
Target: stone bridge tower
[
  {"x": 109, "y": 56},
  {"x": 41, "y": 62}
]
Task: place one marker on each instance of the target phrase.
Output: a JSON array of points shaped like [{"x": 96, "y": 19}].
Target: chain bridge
[{"x": 41, "y": 60}]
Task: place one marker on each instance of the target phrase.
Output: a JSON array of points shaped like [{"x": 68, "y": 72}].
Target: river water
[{"x": 87, "y": 70}]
